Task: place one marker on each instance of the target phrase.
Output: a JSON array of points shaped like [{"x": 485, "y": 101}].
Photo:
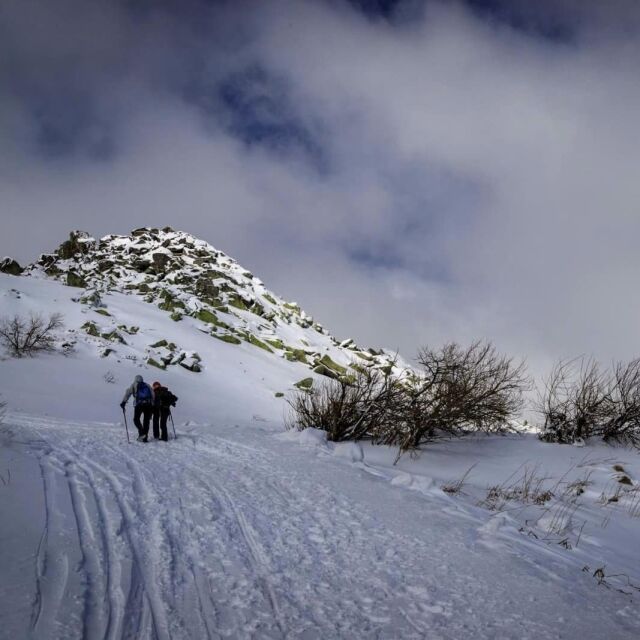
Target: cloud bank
[{"x": 409, "y": 172}]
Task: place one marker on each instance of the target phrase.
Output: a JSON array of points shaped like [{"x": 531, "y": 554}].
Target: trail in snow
[{"x": 211, "y": 536}]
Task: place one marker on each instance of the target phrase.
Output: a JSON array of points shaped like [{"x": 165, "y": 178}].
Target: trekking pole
[
  {"x": 124, "y": 413},
  {"x": 175, "y": 437}
]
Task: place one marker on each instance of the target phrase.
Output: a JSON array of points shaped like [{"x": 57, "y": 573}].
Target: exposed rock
[
  {"x": 205, "y": 287},
  {"x": 160, "y": 261},
  {"x": 325, "y": 371},
  {"x": 228, "y": 338},
  {"x": 141, "y": 265},
  {"x": 93, "y": 299},
  {"x": 113, "y": 336},
  {"x": 251, "y": 339},
  {"x": 91, "y": 329},
  {"x": 74, "y": 280},
  {"x": 295, "y": 355},
  {"x": 10, "y": 266},
  {"x": 304, "y": 384},
  {"x": 191, "y": 364},
  {"x": 155, "y": 363},
  {"x": 79, "y": 242},
  {"x": 330, "y": 364},
  {"x": 105, "y": 265}
]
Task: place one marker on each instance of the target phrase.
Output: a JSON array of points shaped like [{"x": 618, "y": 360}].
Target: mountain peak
[{"x": 194, "y": 282}]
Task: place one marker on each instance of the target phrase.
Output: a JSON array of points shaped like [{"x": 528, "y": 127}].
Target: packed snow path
[{"x": 217, "y": 535}]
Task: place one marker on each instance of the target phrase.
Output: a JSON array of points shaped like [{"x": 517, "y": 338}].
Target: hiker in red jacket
[{"x": 163, "y": 400}]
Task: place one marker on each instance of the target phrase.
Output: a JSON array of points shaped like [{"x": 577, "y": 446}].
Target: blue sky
[{"x": 409, "y": 171}]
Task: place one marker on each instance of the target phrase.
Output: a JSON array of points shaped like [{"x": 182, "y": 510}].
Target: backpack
[
  {"x": 143, "y": 393},
  {"x": 166, "y": 398}
]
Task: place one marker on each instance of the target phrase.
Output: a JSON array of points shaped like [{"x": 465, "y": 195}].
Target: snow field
[
  {"x": 235, "y": 532},
  {"x": 238, "y": 529}
]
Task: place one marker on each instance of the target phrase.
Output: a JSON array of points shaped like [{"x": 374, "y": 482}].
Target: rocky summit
[{"x": 191, "y": 280}]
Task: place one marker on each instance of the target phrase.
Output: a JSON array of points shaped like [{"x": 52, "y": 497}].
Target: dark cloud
[
  {"x": 409, "y": 171},
  {"x": 255, "y": 106}
]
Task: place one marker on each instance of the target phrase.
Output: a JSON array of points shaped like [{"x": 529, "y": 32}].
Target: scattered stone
[
  {"x": 154, "y": 363},
  {"x": 305, "y": 384},
  {"x": 330, "y": 364},
  {"x": 91, "y": 329},
  {"x": 227, "y": 338},
  {"x": 325, "y": 371}
]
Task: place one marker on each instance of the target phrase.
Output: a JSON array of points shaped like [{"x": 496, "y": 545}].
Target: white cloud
[{"x": 479, "y": 182}]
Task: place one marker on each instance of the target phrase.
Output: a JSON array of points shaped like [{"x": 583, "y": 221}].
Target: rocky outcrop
[
  {"x": 188, "y": 278},
  {"x": 10, "y": 266}
]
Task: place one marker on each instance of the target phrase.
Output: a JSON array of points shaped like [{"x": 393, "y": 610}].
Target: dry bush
[
  {"x": 577, "y": 487},
  {"x": 455, "y": 487},
  {"x": 528, "y": 488},
  {"x": 349, "y": 408},
  {"x": 580, "y": 400},
  {"x": 623, "y": 420},
  {"x": 462, "y": 390},
  {"x": 27, "y": 336}
]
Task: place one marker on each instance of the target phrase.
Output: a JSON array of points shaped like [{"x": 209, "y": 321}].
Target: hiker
[
  {"x": 142, "y": 405},
  {"x": 163, "y": 400}
]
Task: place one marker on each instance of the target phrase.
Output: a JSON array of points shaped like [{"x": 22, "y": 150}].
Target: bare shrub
[
  {"x": 455, "y": 487},
  {"x": 574, "y": 400},
  {"x": 349, "y": 408},
  {"x": 27, "y": 336},
  {"x": 580, "y": 400},
  {"x": 462, "y": 390},
  {"x": 622, "y": 422},
  {"x": 527, "y": 488},
  {"x": 577, "y": 487}
]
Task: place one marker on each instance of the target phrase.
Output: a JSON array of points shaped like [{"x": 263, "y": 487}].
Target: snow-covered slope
[
  {"x": 89, "y": 380},
  {"x": 238, "y": 529}
]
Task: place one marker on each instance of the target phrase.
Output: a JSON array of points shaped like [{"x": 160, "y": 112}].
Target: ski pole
[
  {"x": 124, "y": 413},
  {"x": 175, "y": 437}
]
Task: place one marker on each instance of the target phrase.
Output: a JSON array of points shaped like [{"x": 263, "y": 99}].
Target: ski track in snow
[{"x": 211, "y": 538}]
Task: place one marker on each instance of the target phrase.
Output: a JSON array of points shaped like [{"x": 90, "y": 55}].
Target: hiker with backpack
[
  {"x": 163, "y": 400},
  {"x": 142, "y": 406}
]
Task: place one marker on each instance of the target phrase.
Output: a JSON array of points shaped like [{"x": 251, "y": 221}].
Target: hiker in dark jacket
[
  {"x": 163, "y": 400},
  {"x": 142, "y": 405}
]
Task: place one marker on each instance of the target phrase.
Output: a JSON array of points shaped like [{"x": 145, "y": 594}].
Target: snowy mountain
[
  {"x": 241, "y": 529},
  {"x": 197, "y": 285}
]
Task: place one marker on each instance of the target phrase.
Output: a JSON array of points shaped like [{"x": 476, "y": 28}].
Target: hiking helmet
[{"x": 138, "y": 379}]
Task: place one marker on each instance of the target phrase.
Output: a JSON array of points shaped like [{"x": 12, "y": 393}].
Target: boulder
[
  {"x": 305, "y": 384},
  {"x": 10, "y": 266},
  {"x": 160, "y": 261},
  {"x": 75, "y": 280},
  {"x": 78, "y": 242}
]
